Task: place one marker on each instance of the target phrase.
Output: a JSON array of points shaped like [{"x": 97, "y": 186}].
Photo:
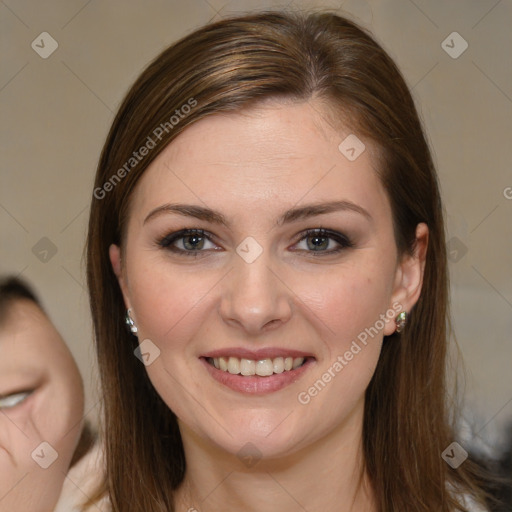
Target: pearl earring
[{"x": 130, "y": 323}]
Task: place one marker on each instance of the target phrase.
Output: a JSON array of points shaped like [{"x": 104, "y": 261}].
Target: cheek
[
  {"x": 14, "y": 447},
  {"x": 346, "y": 301},
  {"x": 24, "y": 484},
  {"x": 348, "y": 308},
  {"x": 59, "y": 417},
  {"x": 167, "y": 302},
  {"x": 170, "y": 308}
]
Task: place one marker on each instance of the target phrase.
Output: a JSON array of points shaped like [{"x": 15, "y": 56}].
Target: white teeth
[
  {"x": 297, "y": 362},
  {"x": 247, "y": 367},
  {"x": 234, "y": 365},
  {"x": 263, "y": 367},
  {"x": 278, "y": 365}
]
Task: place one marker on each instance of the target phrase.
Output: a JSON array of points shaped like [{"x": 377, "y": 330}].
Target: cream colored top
[{"x": 81, "y": 482}]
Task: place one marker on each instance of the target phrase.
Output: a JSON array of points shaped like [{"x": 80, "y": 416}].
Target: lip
[{"x": 256, "y": 385}]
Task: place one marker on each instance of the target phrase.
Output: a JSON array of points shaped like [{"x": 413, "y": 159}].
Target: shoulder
[{"x": 82, "y": 481}]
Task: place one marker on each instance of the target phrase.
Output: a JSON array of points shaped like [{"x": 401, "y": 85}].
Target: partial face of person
[
  {"x": 41, "y": 406},
  {"x": 261, "y": 270}
]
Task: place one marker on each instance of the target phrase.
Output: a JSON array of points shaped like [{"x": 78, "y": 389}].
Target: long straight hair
[{"x": 229, "y": 66}]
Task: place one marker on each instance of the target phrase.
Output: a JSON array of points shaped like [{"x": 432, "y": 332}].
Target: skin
[
  {"x": 33, "y": 356},
  {"x": 251, "y": 167}
]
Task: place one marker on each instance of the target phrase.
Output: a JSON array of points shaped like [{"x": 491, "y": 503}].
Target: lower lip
[{"x": 257, "y": 385}]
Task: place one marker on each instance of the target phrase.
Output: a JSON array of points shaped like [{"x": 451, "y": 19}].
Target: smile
[
  {"x": 257, "y": 372},
  {"x": 262, "y": 368}
]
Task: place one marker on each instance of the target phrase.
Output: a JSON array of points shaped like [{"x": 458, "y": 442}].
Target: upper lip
[{"x": 257, "y": 355}]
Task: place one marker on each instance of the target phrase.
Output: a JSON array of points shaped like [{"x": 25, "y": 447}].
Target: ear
[
  {"x": 409, "y": 277},
  {"x": 114, "y": 253}
]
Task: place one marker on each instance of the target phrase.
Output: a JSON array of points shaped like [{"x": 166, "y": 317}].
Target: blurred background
[{"x": 66, "y": 64}]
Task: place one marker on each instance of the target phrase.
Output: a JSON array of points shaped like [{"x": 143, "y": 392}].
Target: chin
[{"x": 254, "y": 437}]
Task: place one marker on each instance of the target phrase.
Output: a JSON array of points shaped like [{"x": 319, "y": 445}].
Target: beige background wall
[{"x": 55, "y": 113}]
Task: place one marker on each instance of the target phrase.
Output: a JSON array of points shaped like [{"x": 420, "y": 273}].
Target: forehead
[
  {"x": 30, "y": 346},
  {"x": 273, "y": 154},
  {"x": 26, "y": 327}
]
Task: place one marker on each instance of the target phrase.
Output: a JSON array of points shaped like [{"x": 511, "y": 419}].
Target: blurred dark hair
[
  {"x": 13, "y": 289},
  {"x": 499, "y": 468}
]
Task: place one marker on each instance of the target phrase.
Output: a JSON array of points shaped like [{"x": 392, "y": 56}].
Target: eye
[
  {"x": 188, "y": 242},
  {"x": 323, "y": 241},
  {"x": 14, "y": 399}
]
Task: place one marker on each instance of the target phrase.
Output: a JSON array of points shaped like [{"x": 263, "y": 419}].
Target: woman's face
[
  {"x": 292, "y": 263},
  {"x": 41, "y": 407}
]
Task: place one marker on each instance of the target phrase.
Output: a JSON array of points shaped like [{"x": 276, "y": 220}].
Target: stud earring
[
  {"x": 130, "y": 323},
  {"x": 400, "y": 321}
]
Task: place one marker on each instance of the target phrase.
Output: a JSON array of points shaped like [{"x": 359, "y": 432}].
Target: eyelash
[
  {"x": 342, "y": 240},
  {"x": 13, "y": 399}
]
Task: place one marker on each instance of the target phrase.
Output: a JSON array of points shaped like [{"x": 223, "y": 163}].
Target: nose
[{"x": 255, "y": 298}]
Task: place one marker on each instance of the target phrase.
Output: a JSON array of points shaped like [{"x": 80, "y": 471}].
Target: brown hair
[{"x": 228, "y": 66}]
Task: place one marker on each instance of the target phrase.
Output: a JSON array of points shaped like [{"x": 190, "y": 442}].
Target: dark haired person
[
  {"x": 279, "y": 258},
  {"x": 41, "y": 404}
]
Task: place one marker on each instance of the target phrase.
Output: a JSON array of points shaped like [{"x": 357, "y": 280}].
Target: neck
[{"x": 328, "y": 475}]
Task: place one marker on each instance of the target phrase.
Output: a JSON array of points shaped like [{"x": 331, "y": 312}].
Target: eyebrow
[{"x": 292, "y": 215}]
